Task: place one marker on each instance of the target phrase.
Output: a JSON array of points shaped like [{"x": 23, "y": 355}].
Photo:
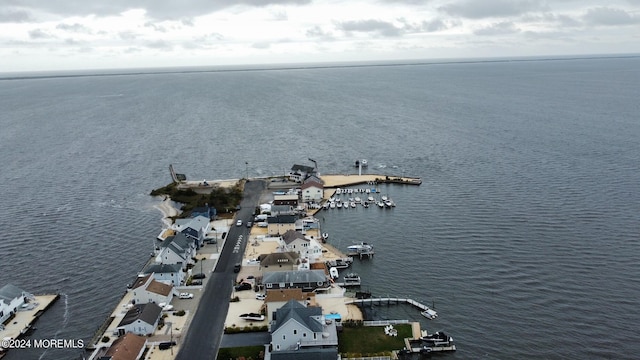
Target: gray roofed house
[
  {"x": 307, "y": 280},
  {"x": 141, "y": 319},
  {"x": 280, "y": 224},
  {"x": 11, "y": 298},
  {"x": 166, "y": 273},
  {"x": 177, "y": 249},
  {"x": 298, "y": 328},
  {"x": 306, "y": 354},
  {"x": 292, "y": 235}
]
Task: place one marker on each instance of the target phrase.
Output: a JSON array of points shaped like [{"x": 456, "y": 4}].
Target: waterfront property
[
  {"x": 280, "y": 224},
  {"x": 301, "y": 331},
  {"x": 275, "y": 299},
  {"x": 11, "y": 299},
  {"x": 148, "y": 290},
  {"x": 305, "y": 247},
  {"x": 141, "y": 319},
  {"x": 307, "y": 280},
  {"x": 312, "y": 189},
  {"x": 280, "y": 261},
  {"x": 178, "y": 249},
  {"x": 127, "y": 347},
  {"x": 167, "y": 273},
  {"x": 195, "y": 228}
]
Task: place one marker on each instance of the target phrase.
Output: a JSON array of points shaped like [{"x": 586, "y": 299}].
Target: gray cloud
[
  {"x": 39, "y": 34},
  {"x": 318, "y": 32},
  {"x": 501, "y": 28},
  {"x": 127, "y": 35},
  {"x": 155, "y": 27},
  {"x": 609, "y": 17},
  {"x": 76, "y": 28},
  {"x": 261, "y": 45},
  {"x": 371, "y": 26},
  {"x": 154, "y": 8},
  {"x": 474, "y": 9},
  {"x": 159, "y": 44},
  {"x": 14, "y": 16}
]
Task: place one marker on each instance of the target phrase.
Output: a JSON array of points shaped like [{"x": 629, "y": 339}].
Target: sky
[{"x": 42, "y": 35}]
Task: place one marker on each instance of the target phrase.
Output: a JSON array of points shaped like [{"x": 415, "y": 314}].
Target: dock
[
  {"x": 22, "y": 322},
  {"x": 389, "y": 301}
]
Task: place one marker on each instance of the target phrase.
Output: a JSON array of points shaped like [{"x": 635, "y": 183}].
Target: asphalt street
[{"x": 205, "y": 332}]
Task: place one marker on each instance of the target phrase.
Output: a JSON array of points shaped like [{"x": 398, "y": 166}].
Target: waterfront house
[
  {"x": 148, "y": 290},
  {"x": 166, "y": 273},
  {"x": 11, "y": 298},
  {"x": 275, "y": 299},
  {"x": 141, "y": 319},
  {"x": 194, "y": 228},
  {"x": 279, "y": 224},
  {"x": 312, "y": 189},
  {"x": 177, "y": 249},
  {"x": 305, "y": 247},
  {"x": 307, "y": 280},
  {"x": 206, "y": 211},
  {"x": 280, "y": 261},
  {"x": 302, "y": 330},
  {"x": 300, "y": 172},
  {"x": 127, "y": 347},
  {"x": 283, "y": 210}
]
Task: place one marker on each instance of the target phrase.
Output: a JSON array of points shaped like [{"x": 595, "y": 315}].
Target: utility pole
[{"x": 246, "y": 169}]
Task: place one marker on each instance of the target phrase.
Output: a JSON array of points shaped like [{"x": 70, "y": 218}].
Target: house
[
  {"x": 283, "y": 210},
  {"x": 166, "y": 273},
  {"x": 300, "y": 172},
  {"x": 141, "y": 319},
  {"x": 195, "y": 228},
  {"x": 288, "y": 199},
  {"x": 11, "y": 298},
  {"x": 127, "y": 347},
  {"x": 301, "y": 328},
  {"x": 312, "y": 189},
  {"x": 279, "y": 261},
  {"x": 206, "y": 211},
  {"x": 177, "y": 249},
  {"x": 279, "y": 224},
  {"x": 305, "y": 247},
  {"x": 148, "y": 290},
  {"x": 275, "y": 299},
  {"x": 307, "y": 280}
]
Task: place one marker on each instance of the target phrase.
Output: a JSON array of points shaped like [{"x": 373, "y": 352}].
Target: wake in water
[{"x": 65, "y": 321}]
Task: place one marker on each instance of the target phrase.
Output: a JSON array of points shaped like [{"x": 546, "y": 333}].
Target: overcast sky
[{"x": 95, "y": 34}]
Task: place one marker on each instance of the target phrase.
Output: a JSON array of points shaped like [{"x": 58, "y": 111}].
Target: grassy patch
[
  {"x": 252, "y": 352},
  {"x": 371, "y": 339}
]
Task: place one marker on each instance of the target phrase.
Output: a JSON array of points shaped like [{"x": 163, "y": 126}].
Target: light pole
[{"x": 246, "y": 169}]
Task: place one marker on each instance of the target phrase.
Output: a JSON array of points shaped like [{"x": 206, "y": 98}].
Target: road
[{"x": 205, "y": 332}]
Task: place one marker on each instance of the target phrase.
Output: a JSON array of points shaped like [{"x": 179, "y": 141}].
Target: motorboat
[
  {"x": 360, "y": 248},
  {"x": 429, "y": 314},
  {"x": 353, "y": 204},
  {"x": 333, "y": 272},
  {"x": 325, "y": 236},
  {"x": 252, "y": 317},
  {"x": 437, "y": 339}
]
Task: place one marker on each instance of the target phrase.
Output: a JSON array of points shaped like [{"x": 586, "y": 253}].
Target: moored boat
[{"x": 252, "y": 317}]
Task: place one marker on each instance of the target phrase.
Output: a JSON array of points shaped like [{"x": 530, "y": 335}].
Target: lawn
[{"x": 371, "y": 339}]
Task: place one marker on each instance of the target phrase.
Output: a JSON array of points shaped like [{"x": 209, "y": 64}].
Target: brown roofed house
[{"x": 127, "y": 347}]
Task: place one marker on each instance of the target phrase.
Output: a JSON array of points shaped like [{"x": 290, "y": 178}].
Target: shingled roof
[
  {"x": 147, "y": 313},
  {"x": 300, "y": 313}
]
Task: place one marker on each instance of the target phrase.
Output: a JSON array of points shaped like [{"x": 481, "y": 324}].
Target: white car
[
  {"x": 185, "y": 296},
  {"x": 166, "y": 307},
  {"x": 239, "y": 223},
  {"x": 261, "y": 296}
]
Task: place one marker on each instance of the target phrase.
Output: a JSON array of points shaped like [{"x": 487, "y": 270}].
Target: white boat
[
  {"x": 384, "y": 198},
  {"x": 252, "y": 317},
  {"x": 370, "y": 199},
  {"x": 333, "y": 272},
  {"x": 429, "y": 314},
  {"x": 332, "y": 205},
  {"x": 325, "y": 236},
  {"x": 364, "y": 163},
  {"x": 380, "y": 204},
  {"x": 353, "y": 204},
  {"x": 339, "y": 205},
  {"x": 360, "y": 248},
  {"x": 357, "y": 200}
]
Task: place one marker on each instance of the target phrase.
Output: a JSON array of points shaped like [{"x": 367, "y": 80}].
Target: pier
[{"x": 389, "y": 301}]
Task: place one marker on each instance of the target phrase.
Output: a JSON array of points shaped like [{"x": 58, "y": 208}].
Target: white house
[
  {"x": 195, "y": 228},
  {"x": 11, "y": 298},
  {"x": 177, "y": 249},
  {"x": 312, "y": 189},
  {"x": 148, "y": 290},
  {"x": 141, "y": 319},
  {"x": 297, "y": 327},
  {"x": 305, "y": 247},
  {"x": 166, "y": 273}
]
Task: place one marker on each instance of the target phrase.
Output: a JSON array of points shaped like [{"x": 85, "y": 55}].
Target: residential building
[
  {"x": 307, "y": 280},
  {"x": 288, "y": 199},
  {"x": 279, "y": 224},
  {"x": 302, "y": 330},
  {"x": 11, "y": 298},
  {"x": 280, "y": 261},
  {"x": 141, "y": 319},
  {"x": 312, "y": 189},
  {"x": 148, "y": 290},
  {"x": 127, "y": 347},
  {"x": 300, "y": 172},
  {"x": 305, "y": 247},
  {"x": 166, "y": 273},
  {"x": 177, "y": 249},
  {"x": 275, "y": 299}
]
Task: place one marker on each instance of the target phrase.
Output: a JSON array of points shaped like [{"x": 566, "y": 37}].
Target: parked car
[
  {"x": 166, "y": 345},
  {"x": 236, "y": 267},
  {"x": 166, "y": 307},
  {"x": 261, "y": 296},
  {"x": 199, "y": 276},
  {"x": 185, "y": 296},
  {"x": 243, "y": 286},
  {"x": 239, "y": 223},
  {"x": 249, "y": 224},
  {"x": 196, "y": 282}
]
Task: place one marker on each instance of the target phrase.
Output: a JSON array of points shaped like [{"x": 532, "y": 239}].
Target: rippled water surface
[{"x": 524, "y": 233}]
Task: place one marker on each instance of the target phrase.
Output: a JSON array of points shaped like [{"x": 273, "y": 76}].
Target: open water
[{"x": 524, "y": 233}]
